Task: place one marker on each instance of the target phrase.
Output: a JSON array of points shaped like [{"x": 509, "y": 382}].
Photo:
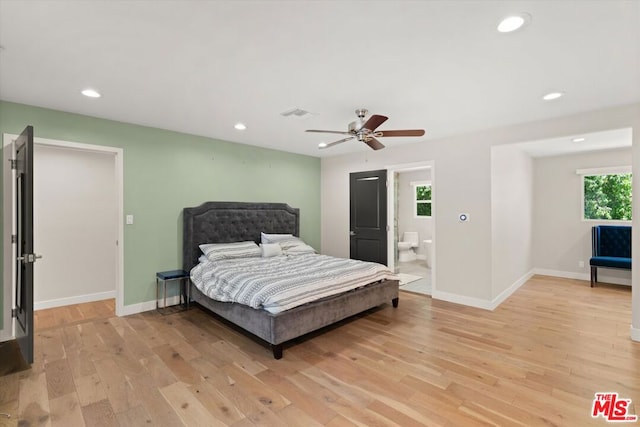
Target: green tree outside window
[
  {"x": 607, "y": 197},
  {"x": 423, "y": 200}
]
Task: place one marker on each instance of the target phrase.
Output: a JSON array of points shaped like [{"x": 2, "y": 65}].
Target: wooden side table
[{"x": 182, "y": 277}]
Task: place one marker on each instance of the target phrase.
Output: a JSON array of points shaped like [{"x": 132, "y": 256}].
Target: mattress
[{"x": 280, "y": 283}]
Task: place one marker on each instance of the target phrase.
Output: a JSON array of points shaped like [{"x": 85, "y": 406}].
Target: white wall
[
  {"x": 75, "y": 226},
  {"x": 407, "y": 220},
  {"x": 463, "y": 185},
  {"x": 463, "y": 175},
  {"x": 511, "y": 218},
  {"x": 561, "y": 237}
]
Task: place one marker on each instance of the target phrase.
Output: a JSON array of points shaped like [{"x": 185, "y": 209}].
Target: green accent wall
[{"x": 166, "y": 171}]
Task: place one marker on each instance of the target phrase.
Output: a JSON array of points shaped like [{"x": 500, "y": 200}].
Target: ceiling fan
[{"x": 365, "y": 131}]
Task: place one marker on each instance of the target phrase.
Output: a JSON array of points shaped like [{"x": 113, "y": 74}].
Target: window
[
  {"x": 422, "y": 199},
  {"x": 607, "y": 194}
]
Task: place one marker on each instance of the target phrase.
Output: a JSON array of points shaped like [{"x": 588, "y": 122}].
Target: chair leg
[{"x": 594, "y": 275}]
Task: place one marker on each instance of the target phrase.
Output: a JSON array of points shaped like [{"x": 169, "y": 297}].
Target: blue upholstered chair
[{"x": 611, "y": 248}]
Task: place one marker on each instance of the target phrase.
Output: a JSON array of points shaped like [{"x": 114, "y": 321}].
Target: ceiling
[
  {"x": 199, "y": 67},
  {"x": 595, "y": 141}
]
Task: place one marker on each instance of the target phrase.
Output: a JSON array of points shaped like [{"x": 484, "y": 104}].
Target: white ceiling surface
[
  {"x": 606, "y": 140},
  {"x": 201, "y": 66}
]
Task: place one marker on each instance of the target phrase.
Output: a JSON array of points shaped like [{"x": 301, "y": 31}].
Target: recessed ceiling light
[
  {"x": 514, "y": 22},
  {"x": 580, "y": 139},
  {"x": 322, "y": 145},
  {"x": 91, "y": 93},
  {"x": 240, "y": 126},
  {"x": 552, "y": 95}
]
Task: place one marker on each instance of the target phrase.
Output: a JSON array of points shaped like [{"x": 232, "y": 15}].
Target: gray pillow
[{"x": 216, "y": 251}]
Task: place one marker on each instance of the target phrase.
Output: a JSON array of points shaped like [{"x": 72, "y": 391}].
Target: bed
[{"x": 225, "y": 222}]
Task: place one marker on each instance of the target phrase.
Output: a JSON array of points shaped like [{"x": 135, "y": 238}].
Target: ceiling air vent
[{"x": 296, "y": 113}]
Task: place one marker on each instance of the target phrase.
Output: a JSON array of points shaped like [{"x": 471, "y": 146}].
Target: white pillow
[
  {"x": 275, "y": 238},
  {"x": 297, "y": 249},
  {"x": 270, "y": 249},
  {"x": 216, "y": 251},
  {"x": 290, "y": 244},
  {"x": 295, "y": 246}
]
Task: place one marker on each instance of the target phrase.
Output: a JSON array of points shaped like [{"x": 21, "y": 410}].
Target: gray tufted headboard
[{"x": 224, "y": 222}]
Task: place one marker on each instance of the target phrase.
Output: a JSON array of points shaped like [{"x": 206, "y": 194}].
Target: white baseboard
[
  {"x": 146, "y": 306},
  {"x": 582, "y": 276},
  {"x": 5, "y": 334},
  {"x": 510, "y": 290},
  {"x": 461, "y": 299},
  {"x": 482, "y": 303},
  {"x": 127, "y": 309},
  {"x": 635, "y": 333},
  {"x": 78, "y": 299},
  {"x": 560, "y": 273}
]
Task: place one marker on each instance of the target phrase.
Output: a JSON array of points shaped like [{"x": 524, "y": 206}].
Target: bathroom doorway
[{"x": 412, "y": 219}]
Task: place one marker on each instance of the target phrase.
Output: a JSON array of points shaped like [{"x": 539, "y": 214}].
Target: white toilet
[
  {"x": 428, "y": 244},
  {"x": 409, "y": 241}
]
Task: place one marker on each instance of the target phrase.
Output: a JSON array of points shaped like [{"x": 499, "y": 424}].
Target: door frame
[
  {"x": 392, "y": 242},
  {"x": 9, "y": 220}
]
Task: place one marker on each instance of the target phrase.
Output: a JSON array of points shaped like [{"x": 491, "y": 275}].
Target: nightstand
[{"x": 180, "y": 276}]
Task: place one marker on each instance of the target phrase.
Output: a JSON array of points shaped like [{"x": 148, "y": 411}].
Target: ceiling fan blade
[
  {"x": 331, "y": 144},
  {"x": 374, "y": 121},
  {"x": 405, "y": 132},
  {"x": 328, "y": 131},
  {"x": 374, "y": 143}
]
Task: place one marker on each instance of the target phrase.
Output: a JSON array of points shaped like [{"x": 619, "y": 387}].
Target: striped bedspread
[{"x": 280, "y": 283}]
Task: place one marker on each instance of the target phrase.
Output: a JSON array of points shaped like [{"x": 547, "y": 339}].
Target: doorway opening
[
  {"x": 411, "y": 213},
  {"x": 111, "y": 158}
]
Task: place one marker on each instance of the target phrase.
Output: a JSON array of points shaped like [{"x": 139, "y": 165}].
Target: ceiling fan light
[{"x": 365, "y": 131}]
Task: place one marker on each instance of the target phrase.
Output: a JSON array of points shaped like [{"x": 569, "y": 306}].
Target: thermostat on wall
[{"x": 463, "y": 217}]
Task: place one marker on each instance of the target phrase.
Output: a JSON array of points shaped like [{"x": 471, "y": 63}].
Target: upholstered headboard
[{"x": 224, "y": 222}]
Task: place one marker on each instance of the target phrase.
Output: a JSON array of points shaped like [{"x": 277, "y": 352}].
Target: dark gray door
[
  {"x": 368, "y": 233},
  {"x": 25, "y": 255}
]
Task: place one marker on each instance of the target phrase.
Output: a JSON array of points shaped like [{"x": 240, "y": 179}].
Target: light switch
[{"x": 129, "y": 219}]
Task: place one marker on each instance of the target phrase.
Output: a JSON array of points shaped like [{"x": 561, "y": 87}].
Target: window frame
[
  {"x": 414, "y": 185},
  {"x": 613, "y": 170}
]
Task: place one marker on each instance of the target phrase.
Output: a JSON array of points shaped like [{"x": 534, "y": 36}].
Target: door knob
[
  {"x": 352, "y": 233},
  {"x": 28, "y": 258}
]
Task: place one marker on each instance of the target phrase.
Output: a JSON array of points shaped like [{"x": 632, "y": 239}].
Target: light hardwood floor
[{"x": 537, "y": 359}]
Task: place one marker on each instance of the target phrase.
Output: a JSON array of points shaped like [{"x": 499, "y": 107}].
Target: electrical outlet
[{"x": 581, "y": 264}]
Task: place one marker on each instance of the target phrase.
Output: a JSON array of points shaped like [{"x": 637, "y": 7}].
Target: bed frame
[{"x": 224, "y": 222}]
